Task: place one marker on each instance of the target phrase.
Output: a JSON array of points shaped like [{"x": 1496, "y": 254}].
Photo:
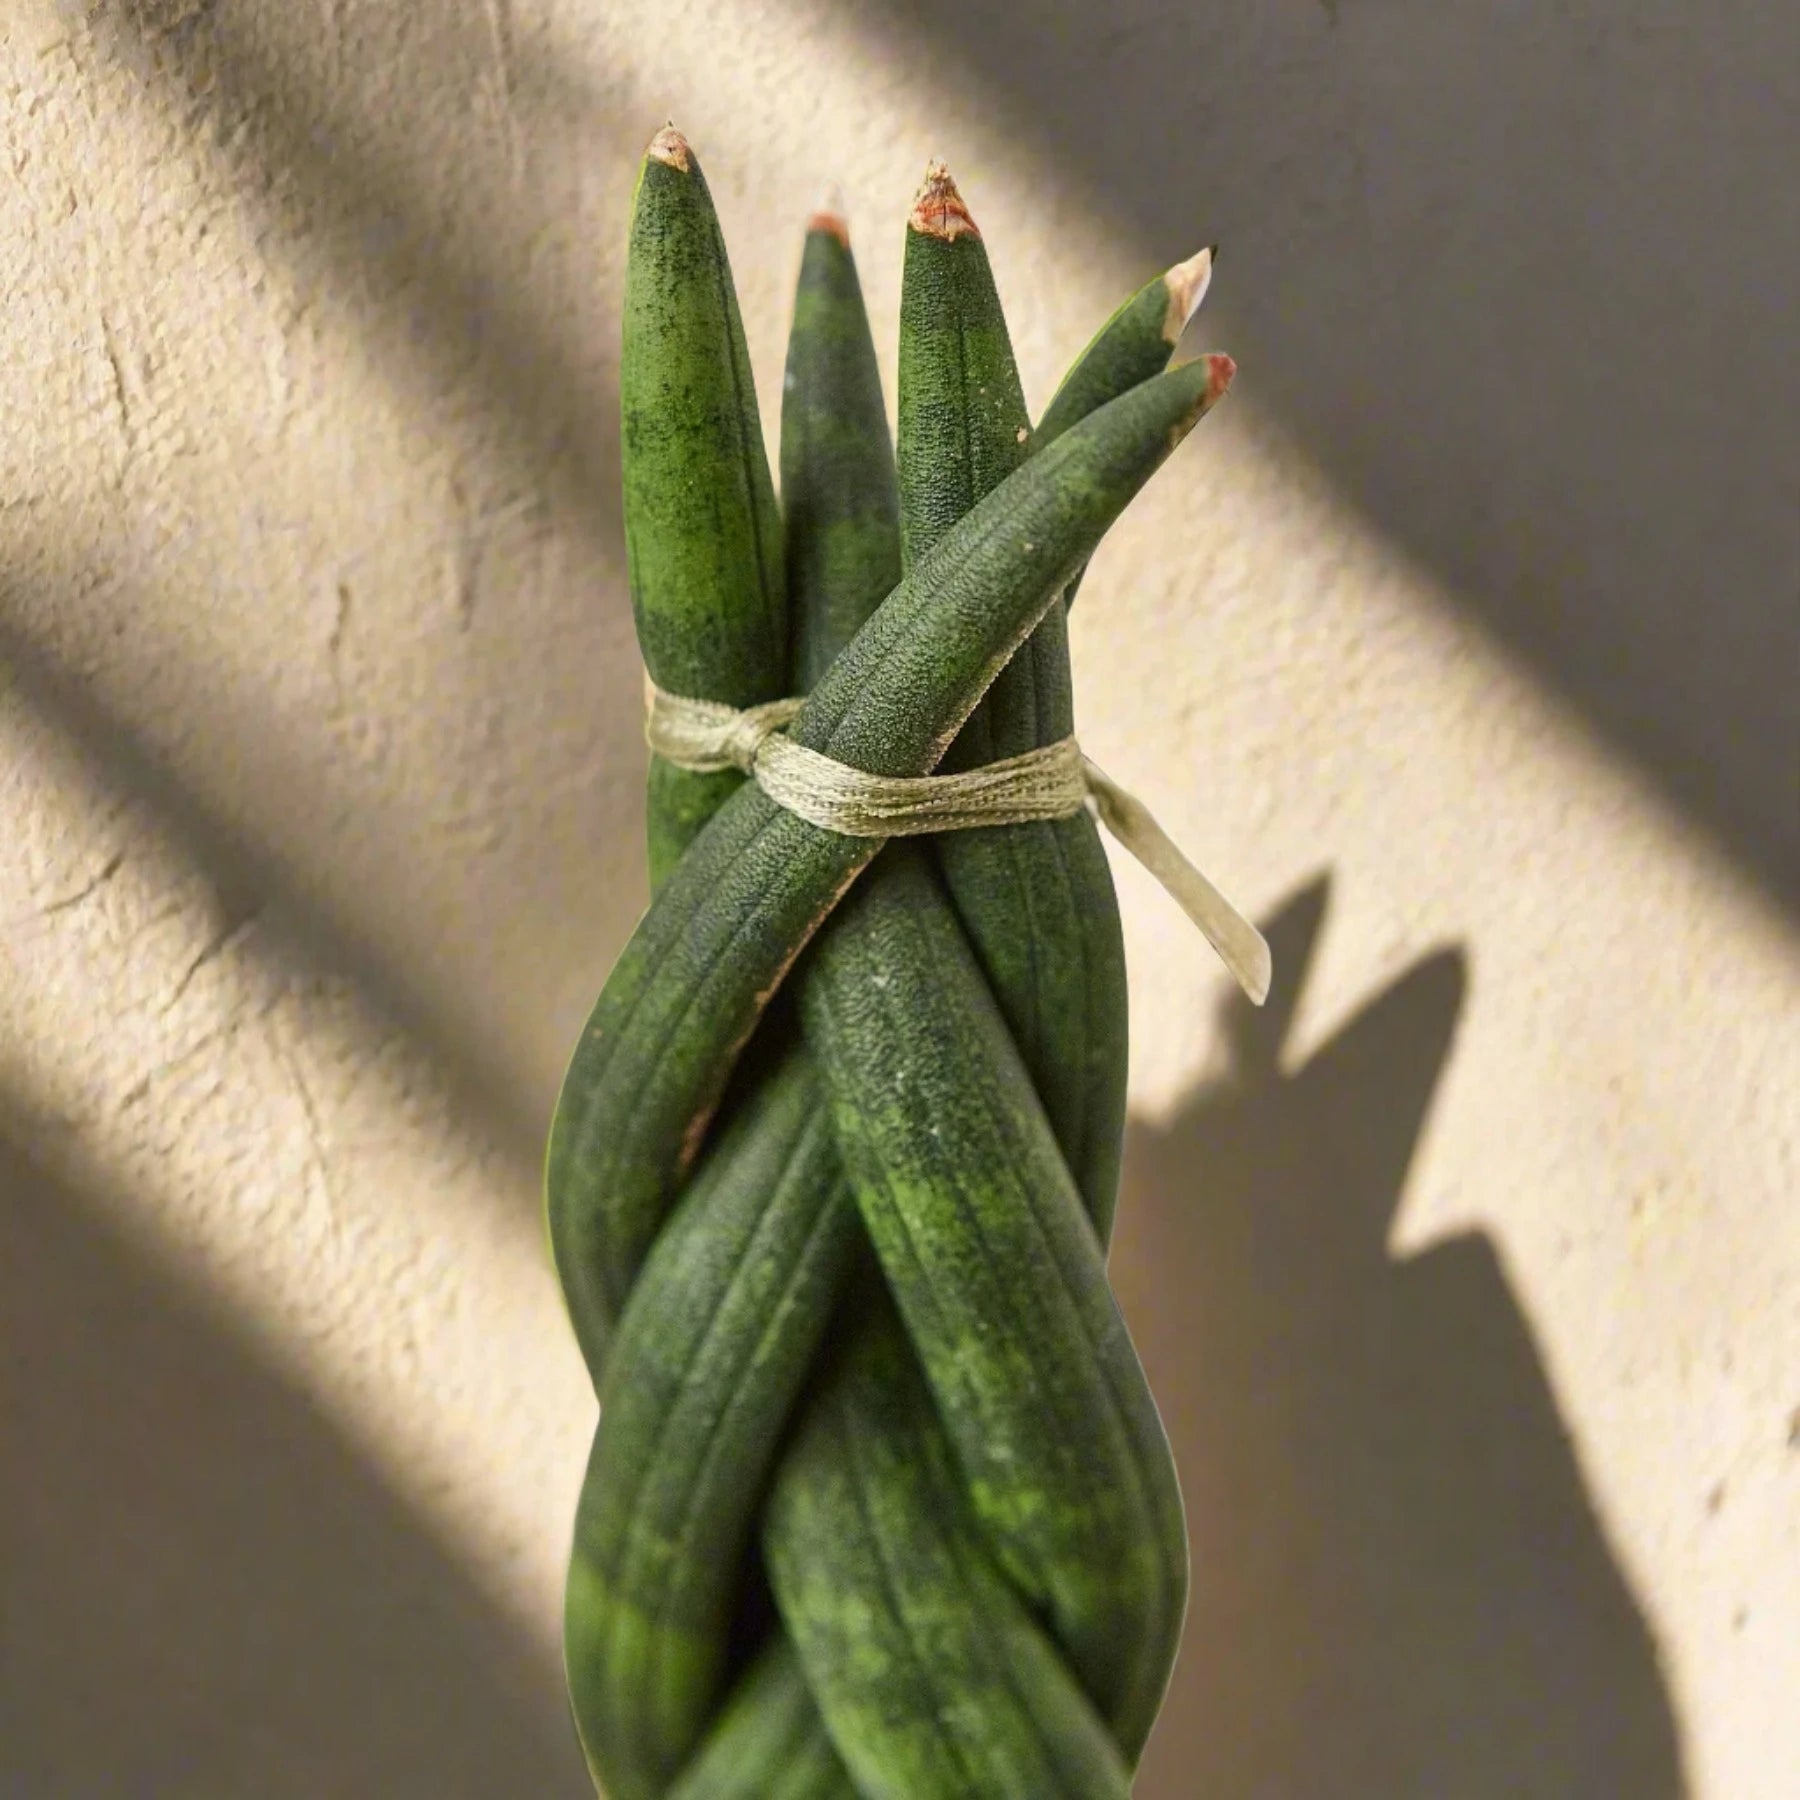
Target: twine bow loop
[{"x": 706, "y": 735}]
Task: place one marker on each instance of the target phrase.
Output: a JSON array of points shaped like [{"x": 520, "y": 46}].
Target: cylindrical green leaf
[
  {"x": 963, "y": 424},
  {"x": 936, "y": 1676},
  {"x": 729, "y": 1306},
  {"x": 997, "y": 1271},
  {"x": 933, "y": 1676},
  {"x": 1036, "y": 899},
  {"x": 839, "y": 499},
  {"x": 1134, "y": 344},
  {"x": 767, "y": 1743},
  {"x": 712, "y": 1347},
  {"x": 702, "y": 533},
  {"x": 757, "y": 881}
]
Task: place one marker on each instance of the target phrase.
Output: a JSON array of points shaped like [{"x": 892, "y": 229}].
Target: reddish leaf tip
[
  {"x": 938, "y": 209},
  {"x": 828, "y": 215}
]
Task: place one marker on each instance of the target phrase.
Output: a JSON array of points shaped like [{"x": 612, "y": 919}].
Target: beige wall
[{"x": 1466, "y": 1275}]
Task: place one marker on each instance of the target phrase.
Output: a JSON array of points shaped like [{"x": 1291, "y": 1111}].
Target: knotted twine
[{"x": 1054, "y": 781}]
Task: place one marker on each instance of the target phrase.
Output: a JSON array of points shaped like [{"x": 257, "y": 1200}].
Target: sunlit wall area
[{"x": 1467, "y": 1272}]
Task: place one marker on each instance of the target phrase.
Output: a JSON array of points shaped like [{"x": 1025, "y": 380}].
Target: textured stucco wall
[{"x": 1467, "y": 1276}]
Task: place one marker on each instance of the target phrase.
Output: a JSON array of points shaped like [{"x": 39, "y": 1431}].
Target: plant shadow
[
  {"x": 1516, "y": 279},
  {"x": 1401, "y": 1585},
  {"x": 208, "y": 1591}
]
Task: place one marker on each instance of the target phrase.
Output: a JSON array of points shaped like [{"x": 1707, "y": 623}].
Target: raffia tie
[{"x": 1052, "y": 782}]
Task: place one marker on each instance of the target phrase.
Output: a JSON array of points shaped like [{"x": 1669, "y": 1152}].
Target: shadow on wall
[
  {"x": 207, "y": 1592},
  {"x": 1400, "y": 1584},
  {"x": 251, "y": 881},
  {"x": 325, "y": 167},
  {"x": 1519, "y": 279},
  {"x": 335, "y": 193}
]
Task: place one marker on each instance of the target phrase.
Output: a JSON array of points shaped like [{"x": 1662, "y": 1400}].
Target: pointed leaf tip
[
  {"x": 829, "y": 214},
  {"x": 669, "y": 146},
  {"x": 1187, "y": 283},
  {"x": 1216, "y": 370},
  {"x": 938, "y": 210}
]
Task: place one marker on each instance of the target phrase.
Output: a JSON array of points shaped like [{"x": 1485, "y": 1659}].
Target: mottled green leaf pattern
[{"x": 879, "y": 1502}]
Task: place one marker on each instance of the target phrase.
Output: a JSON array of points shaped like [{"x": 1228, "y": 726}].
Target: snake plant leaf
[
  {"x": 839, "y": 495},
  {"x": 702, "y": 532},
  {"x": 767, "y": 1742},
  {"x": 757, "y": 882},
  {"x": 721, "y": 1328},
  {"x": 996, "y": 1268},
  {"x": 723, "y": 1321},
  {"x": 1036, "y": 899},
  {"x": 931, "y": 1673},
  {"x": 934, "y": 1672},
  {"x": 1134, "y": 344},
  {"x": 963, "y": 423}
]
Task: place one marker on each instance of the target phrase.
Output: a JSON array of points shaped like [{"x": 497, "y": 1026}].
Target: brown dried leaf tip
[
  {"x": 939, "y": 209},
  {"x": 1187, "y": 283},
  {"x": 669, "y": 146},
  {"x": 829, "y": 216}
]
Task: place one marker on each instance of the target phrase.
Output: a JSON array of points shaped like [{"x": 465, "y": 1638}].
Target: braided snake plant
[{"x": 879, "y": 1502}]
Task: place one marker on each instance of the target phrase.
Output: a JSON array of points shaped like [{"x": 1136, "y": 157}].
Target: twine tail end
[{"x": 1240, "y": 946}]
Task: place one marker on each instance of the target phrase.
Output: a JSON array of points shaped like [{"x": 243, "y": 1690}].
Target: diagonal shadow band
[
  {"x": 1518, "y": 283},
  {"x": 330, "y": 186},
  {"x": 323, "y": 168},
  {"x": 250, "y": 880},
  {"x": 1401, "y": 1586},
  {"x": 208, "y": 1591}
]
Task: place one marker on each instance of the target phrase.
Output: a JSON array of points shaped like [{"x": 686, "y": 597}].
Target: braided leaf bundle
[{"x": 879, "y": 1502}]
